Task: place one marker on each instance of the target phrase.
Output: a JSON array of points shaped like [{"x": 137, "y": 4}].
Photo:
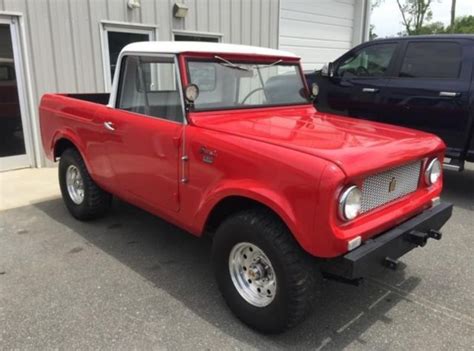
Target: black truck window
[
  {"x": 432, "y": 60},
  {"x": 371, "y": 61}
]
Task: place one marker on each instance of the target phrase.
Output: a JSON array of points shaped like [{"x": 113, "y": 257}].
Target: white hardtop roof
[{"x": 177, "y": 47}]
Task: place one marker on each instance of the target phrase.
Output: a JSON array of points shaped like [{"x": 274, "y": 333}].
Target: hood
[{"x": 357, "y": 146}]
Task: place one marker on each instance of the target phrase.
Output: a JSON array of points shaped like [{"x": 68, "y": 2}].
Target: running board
[{"x": 453, "y": 165}]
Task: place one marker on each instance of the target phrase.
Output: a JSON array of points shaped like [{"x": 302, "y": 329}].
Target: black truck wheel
[
  {"x": 263, "y": 274},
  {"x": 83, "y": 198}
]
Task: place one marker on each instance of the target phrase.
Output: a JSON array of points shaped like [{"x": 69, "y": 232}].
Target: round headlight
[
  {"x": 350, "y": 203},
  {"x": 433, "y": 171},
  {"x": 191, "y": 92}
]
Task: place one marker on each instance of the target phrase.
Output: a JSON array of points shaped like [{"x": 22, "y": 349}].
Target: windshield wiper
[
  {"x": 269, "y": 65},
  {"x": 231, "y": 65}
]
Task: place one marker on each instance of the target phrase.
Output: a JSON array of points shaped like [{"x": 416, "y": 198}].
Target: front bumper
[{"x": 385, "y": 249}]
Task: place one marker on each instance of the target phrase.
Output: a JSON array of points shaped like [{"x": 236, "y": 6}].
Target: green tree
[
  {"x": 433, "y": 28},
  {"x": 373, "y": 5},
  {"x": 414, "y": 14},
  {"x": 463, "y": 25},
  {"x": 372, "y": 34}
]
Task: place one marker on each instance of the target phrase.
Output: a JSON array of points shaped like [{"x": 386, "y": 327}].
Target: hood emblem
[{"x": 392, "y": 186}]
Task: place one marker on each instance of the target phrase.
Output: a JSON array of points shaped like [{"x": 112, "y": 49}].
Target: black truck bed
[{"x": 98, "y": 98}]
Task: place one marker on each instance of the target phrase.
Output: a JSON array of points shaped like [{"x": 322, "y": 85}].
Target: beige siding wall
[{"x": 63, "y": 37}]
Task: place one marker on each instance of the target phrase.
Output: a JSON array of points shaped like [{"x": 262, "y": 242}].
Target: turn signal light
[{"x": 353, "y": 243}]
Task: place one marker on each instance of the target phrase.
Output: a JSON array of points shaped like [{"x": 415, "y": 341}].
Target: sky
[{"x": 387, "y": 18}]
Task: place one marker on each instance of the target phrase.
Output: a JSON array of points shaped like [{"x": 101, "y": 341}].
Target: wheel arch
[
  {"x": 62, "y": 142},
  {"x": 230, "y": 204},
  {"x": 61, "y": 145}
]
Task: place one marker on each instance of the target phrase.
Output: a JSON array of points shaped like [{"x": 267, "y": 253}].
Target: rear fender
[{"x": 74, "y": 139}]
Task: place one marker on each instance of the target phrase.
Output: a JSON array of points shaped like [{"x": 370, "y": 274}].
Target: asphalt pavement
[{"x": 133, "y": 281}]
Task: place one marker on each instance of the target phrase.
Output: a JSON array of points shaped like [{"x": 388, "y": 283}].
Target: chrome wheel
[
  {"x": 252, "y": 274},
  {"x": 75, "y": 184}
]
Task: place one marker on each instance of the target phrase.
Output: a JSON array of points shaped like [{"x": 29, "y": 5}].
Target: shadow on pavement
[{"x": 179, "y": 263}]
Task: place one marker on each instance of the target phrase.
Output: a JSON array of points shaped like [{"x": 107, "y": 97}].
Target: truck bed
[
  {"x": 71, "y": 113},
  {"x": 98, "y": 98}
]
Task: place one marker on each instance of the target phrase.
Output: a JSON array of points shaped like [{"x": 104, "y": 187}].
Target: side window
[
  {"x": 4, "y": 73},
  {"x": 7, "y": 73},
  {"x": 189, "y": 37},
  {"x": 432, "y": 60},
  {"x": 148, "y": 85},
  {"x": 372, "y": 61}
]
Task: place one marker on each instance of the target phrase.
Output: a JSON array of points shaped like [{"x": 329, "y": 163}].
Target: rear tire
[
  {"x": 82, "y": 196},
  {"x": 291, "y": 298}
]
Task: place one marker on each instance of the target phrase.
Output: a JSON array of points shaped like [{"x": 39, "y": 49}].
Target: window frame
[
  {"x": 115, "y": 96},
  {"x": 122, "y": 27},
  {"x": 244, "y": 61},
  {"x": 390, "y": 68},
  {"x": 404, "y": 49}
]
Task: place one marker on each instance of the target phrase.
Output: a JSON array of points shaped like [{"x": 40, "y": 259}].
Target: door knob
[
  {"x": 448, "y": 94},
  {"x": 109, "y": 126},
  {"x": 370, "y": 90}
]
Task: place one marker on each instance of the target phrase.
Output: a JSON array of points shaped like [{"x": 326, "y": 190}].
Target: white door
[{"x": 15, "y": 146}]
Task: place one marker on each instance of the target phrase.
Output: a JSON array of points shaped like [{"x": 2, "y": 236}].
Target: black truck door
[
  {"x": 359, "y": 76},
  {"x": 431, "y": 90}
]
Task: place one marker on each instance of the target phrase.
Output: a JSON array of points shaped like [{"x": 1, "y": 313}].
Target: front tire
[
  {"x": 82, "y": 196},
  {"x": 265, "y": 277}
]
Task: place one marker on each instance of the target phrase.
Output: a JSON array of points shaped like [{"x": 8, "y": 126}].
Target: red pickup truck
[{"x": 224, "y": 140}]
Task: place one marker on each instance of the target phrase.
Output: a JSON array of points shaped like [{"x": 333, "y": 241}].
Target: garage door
[{"x": 318, "y": 31}]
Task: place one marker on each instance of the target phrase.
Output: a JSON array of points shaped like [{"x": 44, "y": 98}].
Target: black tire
[
  {"x": 294, "y": 270},
  {"x": 96, "y": 201}
]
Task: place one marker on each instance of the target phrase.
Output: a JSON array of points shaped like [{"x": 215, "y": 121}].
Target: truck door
[
  {"x": 430, "y": 90},
  {"x": 145, "y": 131},
  {"x": 358, "y": 80}
]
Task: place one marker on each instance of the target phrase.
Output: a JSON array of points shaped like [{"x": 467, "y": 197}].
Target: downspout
[
  {"x": 366, "y": 20},
  {"x": 361, "y": 17}
]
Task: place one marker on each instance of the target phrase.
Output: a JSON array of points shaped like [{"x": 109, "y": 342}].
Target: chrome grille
[{"x": 379, "y": 189}]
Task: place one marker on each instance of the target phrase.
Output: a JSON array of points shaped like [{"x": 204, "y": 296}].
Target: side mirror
[
  {"x": 328, "y": 70},
  {"x": 314, "y": 91}
]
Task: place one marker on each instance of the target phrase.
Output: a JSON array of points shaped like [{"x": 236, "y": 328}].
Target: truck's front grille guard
[{"x": 385, "y": 187}]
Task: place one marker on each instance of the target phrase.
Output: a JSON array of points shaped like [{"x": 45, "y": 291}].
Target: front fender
[{"x": 259, "y": 193}]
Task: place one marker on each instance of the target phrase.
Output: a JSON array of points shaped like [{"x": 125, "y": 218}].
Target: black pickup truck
[{"x": 421, "y": 82}]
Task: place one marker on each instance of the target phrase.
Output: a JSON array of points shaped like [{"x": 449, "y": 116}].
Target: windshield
[{"x": 230, "y": 85}]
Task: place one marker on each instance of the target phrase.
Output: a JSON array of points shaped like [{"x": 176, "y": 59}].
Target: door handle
[
  {"x": 449, "y": 94},
  {"x": 370, "y": 90},
  {"x": 109, "y": 126}
]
